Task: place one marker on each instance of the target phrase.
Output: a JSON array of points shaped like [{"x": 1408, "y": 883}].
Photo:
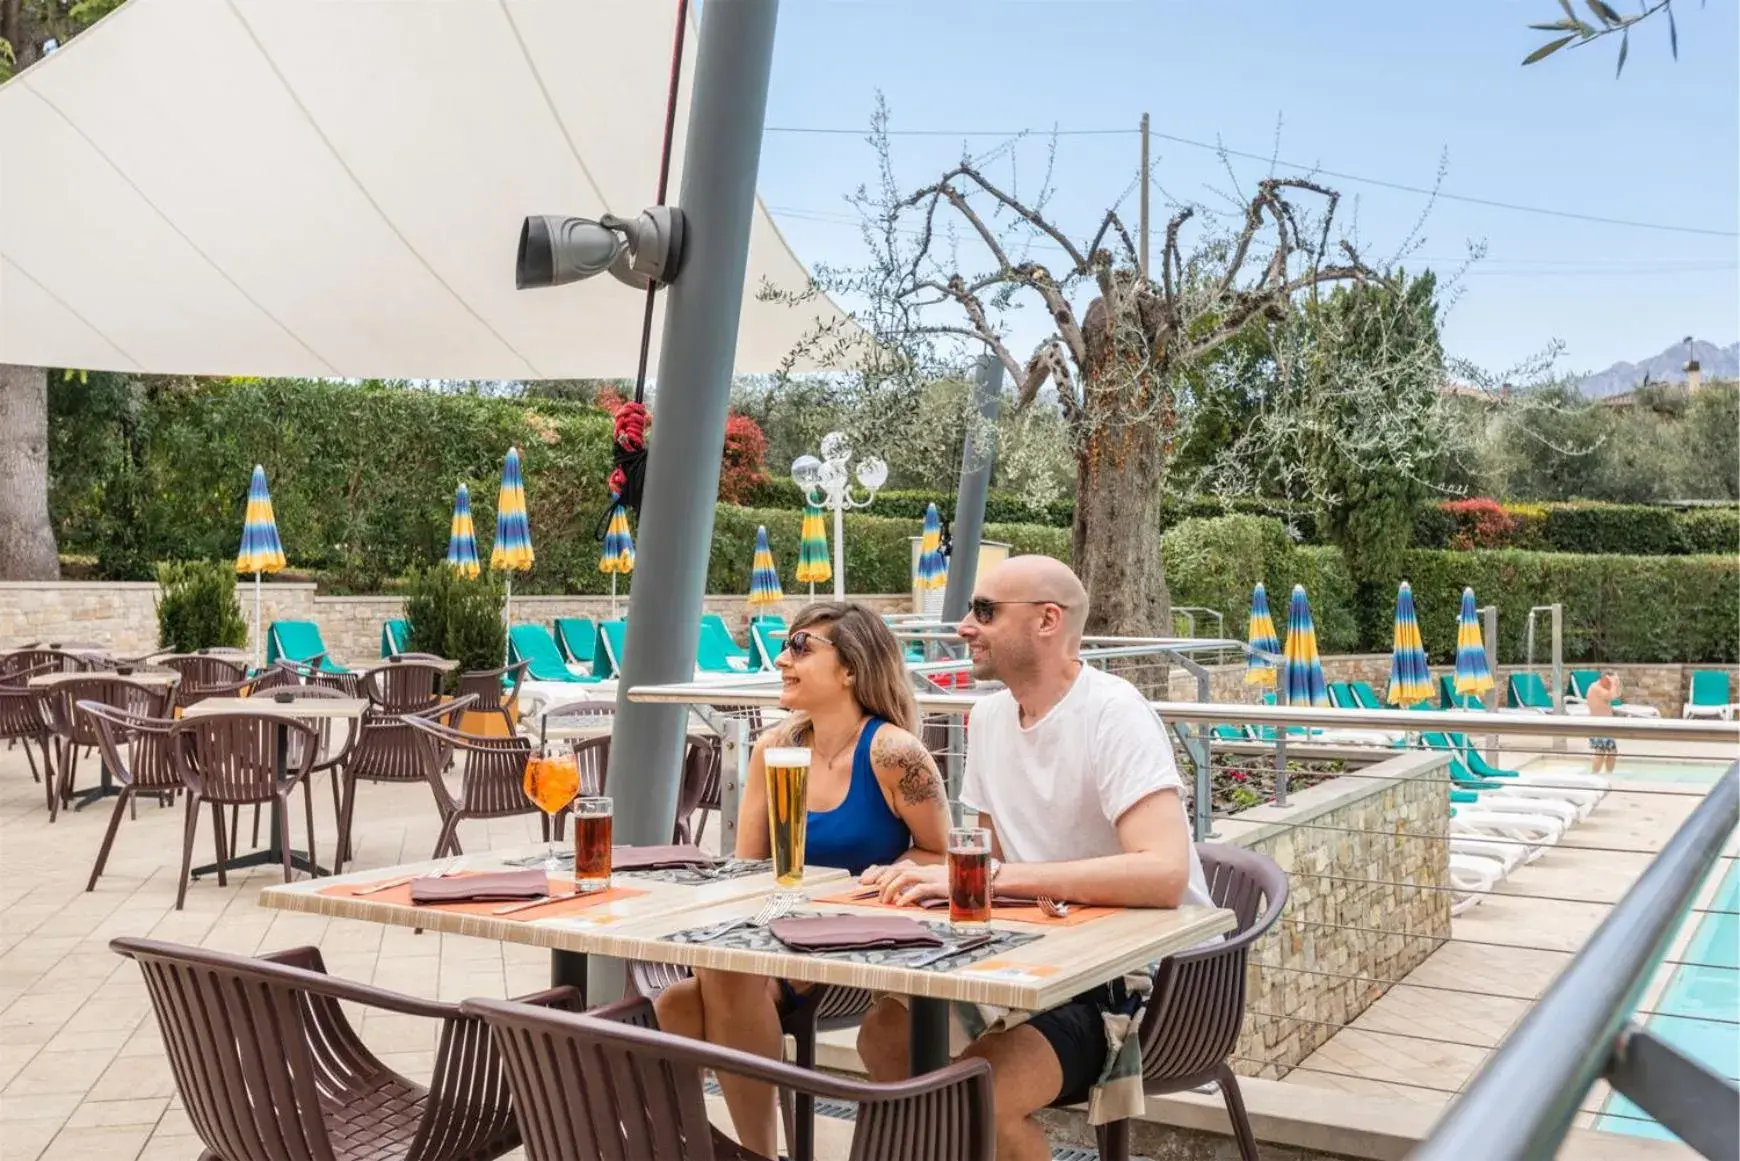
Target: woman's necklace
[{"x": 850, "y": 742}]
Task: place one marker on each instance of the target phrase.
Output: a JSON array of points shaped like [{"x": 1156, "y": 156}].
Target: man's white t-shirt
[{"x": 1056, "y": 789}]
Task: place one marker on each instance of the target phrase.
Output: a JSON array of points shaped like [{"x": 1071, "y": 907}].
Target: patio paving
[{"x": 82, "y": 1071}]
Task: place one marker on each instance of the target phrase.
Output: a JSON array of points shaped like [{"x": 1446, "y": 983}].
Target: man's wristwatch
[{"x": 996, "y": 866}]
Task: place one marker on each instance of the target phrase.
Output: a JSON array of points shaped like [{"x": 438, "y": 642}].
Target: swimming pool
[
  {"x": 1703, "y": 991},
  {"x": 1687, "y": 772}
]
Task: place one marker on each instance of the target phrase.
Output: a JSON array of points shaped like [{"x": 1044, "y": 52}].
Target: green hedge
[
  {"x": 878, "y": 548},
  {"x": 1617, "y": 608},
  {"x": 1593, "y": 528}
]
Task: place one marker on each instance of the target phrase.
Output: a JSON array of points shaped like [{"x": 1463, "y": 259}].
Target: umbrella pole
[
  {"x": 259, "y": 642},
  {"x": 507, "y": 623},
  {"x": 613, "y": 596}
]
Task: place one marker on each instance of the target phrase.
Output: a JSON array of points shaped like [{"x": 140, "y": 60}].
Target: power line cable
[{"x": 1384, "y": 183}]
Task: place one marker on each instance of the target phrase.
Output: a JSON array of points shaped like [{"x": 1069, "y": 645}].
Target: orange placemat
[
  {"x": 1009, "y": 912},
  {"x": 554, "y": 909}
]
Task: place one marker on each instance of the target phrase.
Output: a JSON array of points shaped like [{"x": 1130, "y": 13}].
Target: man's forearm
[{"x": 1138, "y": 879}]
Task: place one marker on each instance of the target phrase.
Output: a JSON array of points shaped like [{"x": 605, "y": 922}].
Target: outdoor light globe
[
  {"x": 872, "y": 473},
  {"x": 806, "y": 472},
  {"x": 836, "y": 448},
  {"x": 833, "y": 476}
]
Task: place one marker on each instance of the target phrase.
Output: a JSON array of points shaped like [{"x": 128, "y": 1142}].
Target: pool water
[
  {"x": 1696, "y": 998},
  {"x": 1688, "y": 773}
]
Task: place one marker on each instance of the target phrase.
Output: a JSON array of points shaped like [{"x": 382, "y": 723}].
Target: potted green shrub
[
  {"x": 197, "y": 607},
  {"x": 457, "y": 618}
]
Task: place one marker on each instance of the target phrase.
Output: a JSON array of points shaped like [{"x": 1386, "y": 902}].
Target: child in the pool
[{"x": 1602, "y": 695}]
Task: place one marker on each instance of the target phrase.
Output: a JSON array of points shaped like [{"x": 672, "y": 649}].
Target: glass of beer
[
  {"x": 788, "y": 781},
  {"x": 592, "y": 827},
  {"x": 551, "y": 781},
  {"x": 969, "y": 855}
]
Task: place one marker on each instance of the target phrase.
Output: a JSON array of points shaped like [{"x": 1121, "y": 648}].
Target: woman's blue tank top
[{"x": 861, "y": 831}]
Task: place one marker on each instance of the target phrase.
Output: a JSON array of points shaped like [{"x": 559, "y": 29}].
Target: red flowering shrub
[
  {"x": 1480, "y": 523},
  {"x": 744, "y": 467}
]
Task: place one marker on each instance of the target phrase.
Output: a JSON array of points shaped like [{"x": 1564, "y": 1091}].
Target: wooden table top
[
  {"x": 572, "y": 932},
  {"x": 1064, "y": 962},
  {"x": 302, "y": 707},
  {"x": 141, "y": 677},
  {"x": 444, "y": 664}
]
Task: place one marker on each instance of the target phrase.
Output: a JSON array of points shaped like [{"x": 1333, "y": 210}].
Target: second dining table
[{"x": 1024, "y": 960}]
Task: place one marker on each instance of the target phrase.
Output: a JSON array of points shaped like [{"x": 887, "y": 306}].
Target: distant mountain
[{"x": 1717, "y": 362}]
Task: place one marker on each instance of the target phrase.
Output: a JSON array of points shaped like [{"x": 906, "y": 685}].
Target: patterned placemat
[
  {"x": 686, "y": 876},
  {"x": 564, "y": 900},
  {"x": 752, "y": 938},
  {"x": 1009, "y": 910}
]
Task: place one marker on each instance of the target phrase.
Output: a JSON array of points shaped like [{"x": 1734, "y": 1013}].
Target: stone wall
[
  {"x": 123, "y": 616},
  {"x": 1367, "y": 862}
]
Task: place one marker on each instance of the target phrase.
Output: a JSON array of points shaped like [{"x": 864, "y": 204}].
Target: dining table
[
  {"x": 1024, "y": 959},
  {"x": 290, "y": 708}
]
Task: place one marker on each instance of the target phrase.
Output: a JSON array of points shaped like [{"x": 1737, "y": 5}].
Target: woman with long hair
[{"x": 874, "y": 797}]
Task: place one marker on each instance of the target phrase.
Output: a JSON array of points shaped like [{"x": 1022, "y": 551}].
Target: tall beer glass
[{"x": 788, "y": 781}]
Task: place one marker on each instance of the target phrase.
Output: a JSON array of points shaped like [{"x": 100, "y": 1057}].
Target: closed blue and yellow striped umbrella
[
  {"x": 462, "y": 537},
  {"x": 1265, "y": 646},
  {"x": 618, "y": 558},
  {"x": 763, "y": 577},
  {"x": 512, "y": 551},
  {"x": 1302, "y": 668},
  {"x": 813, "y": 566},
  {"x": 933, "y": 570},
  {"x": 1410, "y": 679},
  {"x": 261, "y": 550},
  {"x": 1472, "y": 673}
]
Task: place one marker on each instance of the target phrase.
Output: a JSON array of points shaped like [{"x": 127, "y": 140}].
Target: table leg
[
  {"x": 568, "y": 968},
  {"x": 105, "y": 788},
  {"x": 928, "y": 1041}
]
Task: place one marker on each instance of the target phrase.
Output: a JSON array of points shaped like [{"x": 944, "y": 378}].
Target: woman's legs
[{"x": 736, "y": 1011}]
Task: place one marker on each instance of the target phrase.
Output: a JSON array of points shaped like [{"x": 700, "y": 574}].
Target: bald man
[{"x": 1072, "y": 772}]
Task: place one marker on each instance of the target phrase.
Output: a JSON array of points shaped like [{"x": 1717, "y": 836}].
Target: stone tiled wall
[
  {"x": 1367, "y": 865},
  {"x": 123, "y": 616}
]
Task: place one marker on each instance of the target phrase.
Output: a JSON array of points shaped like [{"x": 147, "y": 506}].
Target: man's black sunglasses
[{"x": 984, "y": 609}]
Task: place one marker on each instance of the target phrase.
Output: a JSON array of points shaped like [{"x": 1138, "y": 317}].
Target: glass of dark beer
[
  {"x": 969, "y": 855},
  {"x": 788, "y": 784},
  {"x": 592, "y": 836}
]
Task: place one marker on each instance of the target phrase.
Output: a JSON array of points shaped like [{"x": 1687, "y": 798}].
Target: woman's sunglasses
[
  {"x": 802, "y": 641},
  {"x": 984, "y": 609}
]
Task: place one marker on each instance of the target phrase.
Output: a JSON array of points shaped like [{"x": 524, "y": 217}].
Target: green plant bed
[
  {"x": 197, "y": 608},
  {"x": 456, "y": 618}
]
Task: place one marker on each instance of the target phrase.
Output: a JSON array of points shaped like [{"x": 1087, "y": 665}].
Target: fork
[
  {"x": 946, "y": 951},
  {"x": 775, "y": 907},
  {"x": 1052, "y": 908},
  {"x": 528, "y": 904},
  {"x": 448, "y": 868}
]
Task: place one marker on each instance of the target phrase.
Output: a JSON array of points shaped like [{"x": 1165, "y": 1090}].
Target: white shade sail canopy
[{"x": 316, "y": 188}]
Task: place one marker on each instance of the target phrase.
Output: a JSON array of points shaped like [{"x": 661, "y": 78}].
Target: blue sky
[{"x": 1378, "y": 90}]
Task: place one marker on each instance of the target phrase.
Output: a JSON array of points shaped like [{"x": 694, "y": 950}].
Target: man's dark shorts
[{"x": 1076, "y": 1031}]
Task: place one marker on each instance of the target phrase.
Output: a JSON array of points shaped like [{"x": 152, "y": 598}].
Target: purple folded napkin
[
  {"x": 852, "y": 932},
  {"x": 658, "y": 858},
  {"x": 486, "y": 888}
]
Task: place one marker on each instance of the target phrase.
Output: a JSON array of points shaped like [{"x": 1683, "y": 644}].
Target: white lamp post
[{"x": 825, "y": 484}]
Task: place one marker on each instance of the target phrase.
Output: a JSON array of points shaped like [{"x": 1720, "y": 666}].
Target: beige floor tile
[
  {"x": 98, "y": 1113},
  {"x": 59, "y": 1072},
  {"x": 109, "y": 1142}
]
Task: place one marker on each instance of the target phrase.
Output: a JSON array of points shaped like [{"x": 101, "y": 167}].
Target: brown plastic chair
[
  {"x": 326, "y": 762},
  {"x": 608, "y": 1086},
  {"x": 24, "y": 718},
  {"x": 147, "y": 767},
  {"x": 485, "y": 685},
  {"x": 386, "y": 749},
  {"x": 269, "y": 1068},
  {"x": 232, "y": 760},
  {"x": 492, "y": 779},
  {"x": 203, "y": 676},
  {"x": 702, "y": 764},
  {"x": 56, "y": 661},
  {"x": 404, "y": 687},
  {"x": 1193, "y": 1017},
  {"x": 74, "y": 730}
]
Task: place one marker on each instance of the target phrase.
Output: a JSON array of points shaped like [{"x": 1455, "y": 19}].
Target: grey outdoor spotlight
[{"x": 643, "y": 251}]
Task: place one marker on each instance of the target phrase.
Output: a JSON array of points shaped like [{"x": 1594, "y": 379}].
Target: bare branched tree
[{"x": 1112, "y": 365}]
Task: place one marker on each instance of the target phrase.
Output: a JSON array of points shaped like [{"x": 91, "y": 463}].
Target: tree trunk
[
  {"x": 1116, "y": 543},
  {"x": 27, "y": 548}
]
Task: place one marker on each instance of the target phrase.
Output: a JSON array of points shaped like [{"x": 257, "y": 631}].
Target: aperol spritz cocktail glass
[{"x": 552, "y": 780}]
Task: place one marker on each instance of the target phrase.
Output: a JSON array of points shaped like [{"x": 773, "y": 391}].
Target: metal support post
[
  {"x": 727, "y": 110},
  {"x": 733, "y": 773},
  {"x": 977, "y": 454}
]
